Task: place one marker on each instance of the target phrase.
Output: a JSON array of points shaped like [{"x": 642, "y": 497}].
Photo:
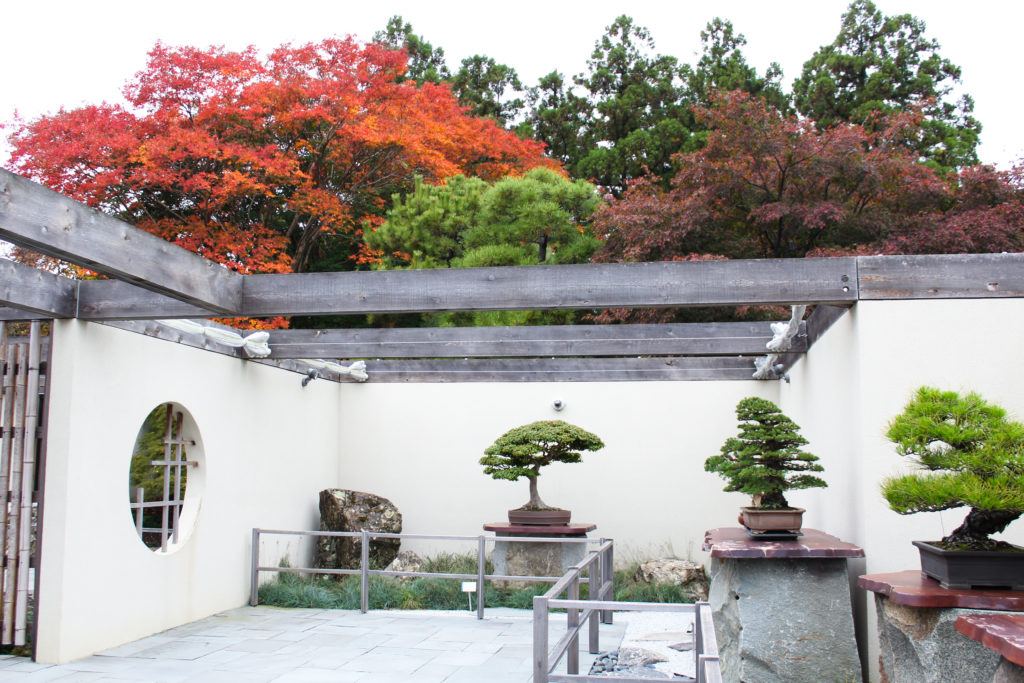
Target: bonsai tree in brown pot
[
  {"x": 765, "y": 460},
  {"x": 968, "y": 454},
  {"x": 523, "y": 451}
]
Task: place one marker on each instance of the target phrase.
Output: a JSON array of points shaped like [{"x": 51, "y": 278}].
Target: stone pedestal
[
  {"x": 782, "y": 609},
  {"x": 928, "y": 633},
  {"x": 535, "y": 559}
]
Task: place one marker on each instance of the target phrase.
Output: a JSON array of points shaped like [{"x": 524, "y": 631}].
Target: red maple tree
[{"x": 768, "y": 185}]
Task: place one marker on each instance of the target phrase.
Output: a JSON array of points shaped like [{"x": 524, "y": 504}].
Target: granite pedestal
[
  {"x": 928, "y": 633},
  {"x": 513, "y": 558},
  {"x": 782, "y": 609}
]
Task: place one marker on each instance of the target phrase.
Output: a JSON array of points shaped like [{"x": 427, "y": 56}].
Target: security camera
[{"x": 558, "y": 404}]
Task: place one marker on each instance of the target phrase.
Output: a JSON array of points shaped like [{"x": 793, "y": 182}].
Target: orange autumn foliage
[{"x": 256, "y": 162}]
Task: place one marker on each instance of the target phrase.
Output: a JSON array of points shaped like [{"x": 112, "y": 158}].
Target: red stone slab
[
  {"x": 1003, "y": 633},
  {"x": 914, "y": 589},
  {"x": 736, "y": 543},
  {"x": 504, "y": 528}
]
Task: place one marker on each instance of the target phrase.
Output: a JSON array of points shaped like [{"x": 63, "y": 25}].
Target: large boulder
[
  {"x": 345, "y": 510},
  {"x": 689, "y": 575}
]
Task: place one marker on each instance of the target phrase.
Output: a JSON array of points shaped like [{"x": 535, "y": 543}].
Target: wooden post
[
  {"x": 168, "y": 437},
  {"x": 179, "y": 448},
  {"x": 140, "y": 498},
  {"x": 6, "y": 452},
  {"x": 14, "y": 517},
  {"x": 28, "y": 473}
]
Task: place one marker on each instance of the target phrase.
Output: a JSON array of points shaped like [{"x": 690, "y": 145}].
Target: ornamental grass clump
[
  {"x": 765, "y": 460},
  {"x": 522, "y": 451},
  {"x": 970, "y": 455}
]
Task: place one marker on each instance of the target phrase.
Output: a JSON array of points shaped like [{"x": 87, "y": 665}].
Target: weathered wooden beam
[
  {"x": 590, "y": 286},
  {"x": 8, "y": 314},
  {"x": 116, "y": 300},
  {"x": 692, "y": 339},
  {"x": 943, "y": 276},
  {"x": 814, "y": 326},
  {"x": 40, "y": 219},
  {"x": 36, "y": 291},
  {"x": 561, "y": 370},
  {"x": 820, "y": 319},
  {"x": 154, "y": 329}
]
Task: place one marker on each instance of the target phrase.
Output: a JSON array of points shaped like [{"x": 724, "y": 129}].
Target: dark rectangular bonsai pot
[{"x": 966, "y": 569}]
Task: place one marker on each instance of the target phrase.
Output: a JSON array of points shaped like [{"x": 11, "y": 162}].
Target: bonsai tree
[
  {"x": 765, "y": 460},
  {"x": 969, "y": 454},
  {"x": 522, "y": 451}
]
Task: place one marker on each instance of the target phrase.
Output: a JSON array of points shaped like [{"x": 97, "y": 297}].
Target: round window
[{"x": 165, "y": 478}]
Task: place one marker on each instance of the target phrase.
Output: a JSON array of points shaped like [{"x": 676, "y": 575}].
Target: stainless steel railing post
[
  {"x": 481, "y": 566},
  {"x": 364, "y": 573}
]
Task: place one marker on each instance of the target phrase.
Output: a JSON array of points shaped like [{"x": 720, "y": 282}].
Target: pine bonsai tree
[
  {"x": 765, "y": 460},
  {"x": 522, "y": 451},
  {"x": 970, "y": 455}
]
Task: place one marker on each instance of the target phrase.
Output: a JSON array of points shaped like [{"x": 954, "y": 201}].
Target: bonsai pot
[
  {"x": 761, "y": 520},
  {"x": 966, "y": 569},
  {"x": 539, "y": 517}
]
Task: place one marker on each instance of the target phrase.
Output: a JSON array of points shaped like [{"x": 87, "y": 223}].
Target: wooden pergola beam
[
  {"x": 40, "y": 219},
  {"x": 691, "y": 339},
  {"x": 589, "y": 286},
  {"x": 941, "y": 276},
  {"x": 36, "y": 292},
  {"x": 117, "y": 300},
  {"x": 560, "y": 370}
]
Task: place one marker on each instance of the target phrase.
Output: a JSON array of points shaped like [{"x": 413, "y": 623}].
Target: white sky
[{"x": 66, "y": 54}]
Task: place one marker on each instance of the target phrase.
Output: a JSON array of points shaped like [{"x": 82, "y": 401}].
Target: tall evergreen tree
[
  {"x": 488, "y": 88},
  {"x": 560, "y": 119},
  {"x": 640, "y": 114},
  {"x": 425, "y": 62},
  {"x": 883, "y": 64},
  {"x": 723, "y": 67}
]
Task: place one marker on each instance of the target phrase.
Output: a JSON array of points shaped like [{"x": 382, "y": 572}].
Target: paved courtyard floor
[{"x": 311, "y": 645}]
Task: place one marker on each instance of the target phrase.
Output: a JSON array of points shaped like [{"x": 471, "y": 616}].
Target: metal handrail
[
  {"x": 364, "y": 571},
  {"x": 708, "y": 666}
]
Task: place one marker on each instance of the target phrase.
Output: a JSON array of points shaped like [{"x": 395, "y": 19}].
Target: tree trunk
[
  {"x": 535, "y": 502},
  {"x": 774, "y": 500},
  {"x": 978, "y": 526}
]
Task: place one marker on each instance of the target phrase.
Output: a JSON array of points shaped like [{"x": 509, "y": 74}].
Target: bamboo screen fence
[{"x": 20, "y": 409}]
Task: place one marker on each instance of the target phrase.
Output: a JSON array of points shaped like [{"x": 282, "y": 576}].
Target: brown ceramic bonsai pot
[
  {"x": 539, "y": 517},
  {"x": 762, "y": 520},
  {"x": 966, "y": 569}
]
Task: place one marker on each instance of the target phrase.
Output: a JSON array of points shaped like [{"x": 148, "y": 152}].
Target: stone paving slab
[{"x": 273, "y": 645}]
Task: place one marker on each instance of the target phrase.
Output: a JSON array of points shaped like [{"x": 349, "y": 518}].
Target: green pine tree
[
  {"x": 969, "y": 454},
  {"x": 765, "y": 459}
]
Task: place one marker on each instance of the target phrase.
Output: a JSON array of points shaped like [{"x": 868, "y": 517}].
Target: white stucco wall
[
  {"x": 269, "y": 446},
  {"x": 419, "y": 445},
  {"x": 858, "y": 376}
]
